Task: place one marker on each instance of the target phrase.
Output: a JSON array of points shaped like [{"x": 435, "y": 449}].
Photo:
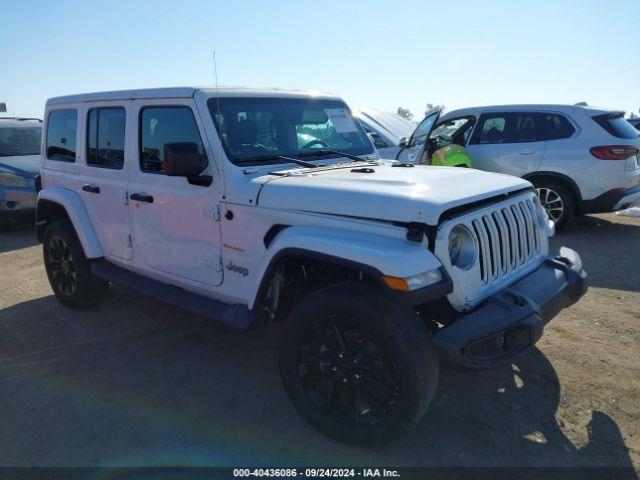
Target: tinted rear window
[
  {"x": 61, "y": 135},
  {"x": 616, "y": 125}
]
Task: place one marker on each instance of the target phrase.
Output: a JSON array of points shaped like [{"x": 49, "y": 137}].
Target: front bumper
[{"x": 511, "y": 321}]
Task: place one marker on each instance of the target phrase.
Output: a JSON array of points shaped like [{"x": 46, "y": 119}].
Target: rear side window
[
  {"x": 554, "y": 126},
  {"x": 616, "y": 125},
  {"x": 61, "y": 135},
  {"x": 161, "y": 125},
  {"x": 105, "y": 137}
]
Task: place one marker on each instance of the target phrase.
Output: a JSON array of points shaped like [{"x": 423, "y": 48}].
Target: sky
[{"x": 373, "y": 53}]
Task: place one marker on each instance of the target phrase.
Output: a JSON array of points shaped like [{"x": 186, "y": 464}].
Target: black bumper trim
[
  {"x": 512, "y": 321},
  {"x": 604, "y": 203}
]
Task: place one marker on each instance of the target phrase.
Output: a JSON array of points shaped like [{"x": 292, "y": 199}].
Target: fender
[
  {"x": 72, "y": 203},
  {"x": 375, "y": 255}
]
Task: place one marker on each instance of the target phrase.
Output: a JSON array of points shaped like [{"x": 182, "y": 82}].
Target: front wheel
[{"x": 358, "y": 367}]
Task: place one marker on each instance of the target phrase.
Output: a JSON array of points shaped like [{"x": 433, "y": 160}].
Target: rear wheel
[
  {"x": 68, "y": 269},
  {"x": 356, "y": 366},
  {"x": 557, "y": 200}
]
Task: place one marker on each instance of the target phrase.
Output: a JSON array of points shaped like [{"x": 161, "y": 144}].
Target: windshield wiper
[
  {"x": 266, "y": 158},
  {"x": 325, "y": 151}
]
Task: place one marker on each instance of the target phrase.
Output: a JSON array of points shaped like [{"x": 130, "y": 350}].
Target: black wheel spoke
[
  {"x": 387, "y": 389},
  {"x": 374, "y": 403},
  {"x": 346, "y": 374}
]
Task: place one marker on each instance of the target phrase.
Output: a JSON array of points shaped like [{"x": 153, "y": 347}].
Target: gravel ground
[{"x": 136, "y": 382}]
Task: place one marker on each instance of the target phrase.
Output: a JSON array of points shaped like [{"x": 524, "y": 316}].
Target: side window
[
  {"x": 490, "y": 129},
  {"x": 554, "y": 126},
  {"x": 161, "y": 125},
  {"x": 61, "y": 135},
  {"x": 528, "y": 128},
  {"x": 105, "y": 137}
]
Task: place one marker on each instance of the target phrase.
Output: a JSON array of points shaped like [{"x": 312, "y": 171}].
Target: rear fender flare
[{"x": 78, "y": 215}]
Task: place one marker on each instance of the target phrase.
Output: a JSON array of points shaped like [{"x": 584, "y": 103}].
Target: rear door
[
  {"x": 175, "y": 221},
  {"x": 507, "y": 142},
  {"x": 103, "y": 182}
]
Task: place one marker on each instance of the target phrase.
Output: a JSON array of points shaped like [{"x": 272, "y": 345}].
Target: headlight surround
[
  {"x": 462, "y": 247},
  {"x": 542, "y": 216},
  {"x": 12, "y": 180}
]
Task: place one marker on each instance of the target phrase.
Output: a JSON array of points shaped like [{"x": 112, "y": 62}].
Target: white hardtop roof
[
  {"x": 19, "y": 122},
  {"x": 186, "y": 92},
  {"x": 527, "y": 107}
]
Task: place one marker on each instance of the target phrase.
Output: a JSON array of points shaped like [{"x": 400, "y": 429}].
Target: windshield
[
  {"x": 18, "y": 141},
  {"x": 255, "y": 130}
]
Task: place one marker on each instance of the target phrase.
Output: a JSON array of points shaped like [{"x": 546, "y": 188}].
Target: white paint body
[{"x": 184, "y": 239}]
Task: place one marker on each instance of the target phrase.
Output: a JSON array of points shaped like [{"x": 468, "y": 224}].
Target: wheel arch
[
  {"x": 57, "y": 203},
  {"x": 357, "y": 252},
  {"x": 568, "y": 181}
]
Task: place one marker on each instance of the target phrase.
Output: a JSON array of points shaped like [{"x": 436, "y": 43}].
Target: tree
[
  {"x": 405, "y": 113},
  {"x": 432, "y": 106}
]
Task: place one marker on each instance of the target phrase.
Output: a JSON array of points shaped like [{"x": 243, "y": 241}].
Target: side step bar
[{"x": 236, "y": 315}]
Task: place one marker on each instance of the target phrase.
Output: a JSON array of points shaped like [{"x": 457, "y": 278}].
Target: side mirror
[
  {"x": 403, "y": 142},
  {"x": 183, "y": 159}
]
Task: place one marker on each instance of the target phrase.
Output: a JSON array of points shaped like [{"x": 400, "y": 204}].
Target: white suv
[
  {"x": 248, "y": 206},
  {"x": 580, "y": 159}
]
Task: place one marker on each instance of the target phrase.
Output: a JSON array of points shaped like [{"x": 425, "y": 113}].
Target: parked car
[
  {"x": 581, "y": 159},
  {"x": 387, "y": 130},
  {"x": 635, "y": 122},
  {"x": 19, "y": 164},
  {"x": 431, "y": 144},
  {"x": 206, "y": 199}
]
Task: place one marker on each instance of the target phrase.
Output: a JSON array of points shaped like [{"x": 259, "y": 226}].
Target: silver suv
[{"x": 580, "y": 159}]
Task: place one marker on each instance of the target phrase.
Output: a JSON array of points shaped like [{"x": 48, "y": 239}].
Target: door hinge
[
  {"x": 214, "y": 263},
  {"x": 212, "y": 212}
]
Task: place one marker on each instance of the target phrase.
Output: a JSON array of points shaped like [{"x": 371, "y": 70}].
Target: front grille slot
[{"x": 507, "y": 238}]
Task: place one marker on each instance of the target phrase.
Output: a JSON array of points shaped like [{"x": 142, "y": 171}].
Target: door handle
[
  {"x": 527, "y": 151},
  {"x": 91, "y": 188},
  {"x": 140, "y": 197}
]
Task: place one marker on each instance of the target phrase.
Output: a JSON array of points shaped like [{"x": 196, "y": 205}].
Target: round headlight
[{"x": 462, "y": 247}]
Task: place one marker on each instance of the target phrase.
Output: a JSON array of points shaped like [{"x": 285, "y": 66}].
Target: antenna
[{"x": 215, "y": 74}]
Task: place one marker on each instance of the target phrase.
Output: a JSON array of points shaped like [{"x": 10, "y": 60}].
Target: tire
[
  {"x": 68, "y": 269},
  {"x": 553, "y": 195},
  {"x": 357, "y": 367}
]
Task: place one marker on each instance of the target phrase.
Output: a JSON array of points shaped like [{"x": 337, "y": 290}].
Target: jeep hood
[
  {"x": 418, "y": 194},
  {"x": 24, "y": 165}
]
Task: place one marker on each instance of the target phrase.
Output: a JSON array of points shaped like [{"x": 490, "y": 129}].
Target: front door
[
  {"x": 507, "y": 142},
  {"x": 175, "y": 221},
  {"x": 416, "y": 145}
]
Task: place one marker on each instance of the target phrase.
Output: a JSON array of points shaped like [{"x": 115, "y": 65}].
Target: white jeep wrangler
[{"x": 248, "y": 206}]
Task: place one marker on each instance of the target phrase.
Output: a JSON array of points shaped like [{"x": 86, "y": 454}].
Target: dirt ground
[{"x": 136, "y": 382}]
